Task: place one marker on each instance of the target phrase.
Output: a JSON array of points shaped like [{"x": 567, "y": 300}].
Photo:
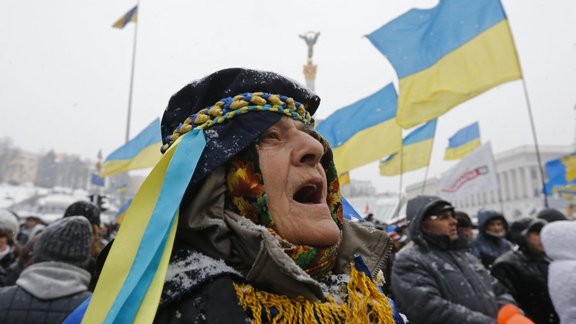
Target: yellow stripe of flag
[{"x": 130, "y": 16}]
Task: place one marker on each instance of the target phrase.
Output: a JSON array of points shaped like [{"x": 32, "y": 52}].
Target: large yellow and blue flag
[
  {"x": 463, "y": 142},
  {"x": 130, "y": 16},
  {"x": 364, "y": 131},
  {"x": 415, "y": 153},
  {"x": 143, "y": 151},
  {"x": 560, "y": 173},
  {"x": 446, "y": 55}
]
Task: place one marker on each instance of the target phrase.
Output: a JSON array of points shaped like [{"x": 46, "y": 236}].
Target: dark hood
[
  {"x": 416, "y": 209},
  {"x": 485, "y": 215}
]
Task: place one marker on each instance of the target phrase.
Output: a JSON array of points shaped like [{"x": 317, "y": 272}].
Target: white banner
[{"x": 474, "y": 173}]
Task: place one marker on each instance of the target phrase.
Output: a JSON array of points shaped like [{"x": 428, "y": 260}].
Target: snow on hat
[
  {"x": 9, "y": 222},
  {"x": 86, "y": 209},
  {"x": 67, "y": 240}
]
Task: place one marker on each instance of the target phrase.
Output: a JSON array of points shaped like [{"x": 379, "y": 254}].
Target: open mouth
[{"x": 309, "y": 193}]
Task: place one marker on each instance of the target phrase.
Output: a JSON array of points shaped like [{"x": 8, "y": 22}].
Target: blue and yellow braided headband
[{"x": 130, "y": 285}]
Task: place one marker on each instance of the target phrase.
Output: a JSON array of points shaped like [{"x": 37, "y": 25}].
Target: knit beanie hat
[
  {"x": 9, "y": 222},
  {"x": 86, "y": 209},
  {"x": 66, "y": 240}
]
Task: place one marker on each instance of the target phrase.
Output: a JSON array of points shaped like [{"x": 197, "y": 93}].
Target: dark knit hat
[
  {"x": 86, "y": 209},
  {"x": 67, "y": 240},
  {"x": 520, "y": 228},
  {"x": 551, "y": 215},
  {"x": 464, "y": 220}
]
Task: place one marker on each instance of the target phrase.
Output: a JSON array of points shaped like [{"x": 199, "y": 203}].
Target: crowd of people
[{"x": 258, "y": 235}]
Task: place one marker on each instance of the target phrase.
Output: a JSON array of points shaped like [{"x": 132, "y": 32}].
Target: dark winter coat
[
  {"x": 526, "y": 277},
  {"x": 45, "y": 293},
  {"x": 6, "y": 263},
  {"x": 437, "y": 281},
  {"x": 487, "y": 247}
]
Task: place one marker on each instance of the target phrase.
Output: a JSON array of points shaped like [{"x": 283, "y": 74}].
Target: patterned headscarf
[{"x": 246, "y": 196}]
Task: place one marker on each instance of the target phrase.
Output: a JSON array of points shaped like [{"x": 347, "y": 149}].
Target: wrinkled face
[
  {"x": 444, "y": 223},
  {"x": 534, "y": 242},
  {"x": 296, "y": 184},
  {"x": 495, "y": 227}
]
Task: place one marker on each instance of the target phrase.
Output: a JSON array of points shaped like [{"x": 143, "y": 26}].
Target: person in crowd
[
  {"x": 260, "y": 233},
  {"x": 525, "y": 271},
  {"x": 369, "y": 217},
  {"x": 92, "y": 213},
  {"x": 559, "y": 240},
  {"x": 24, "y": 260},
  {"x": 52, "y": 287},
  {"x": 551, "y": 215},
  {"x": 9, "y": 248},
  {"x": 491, "y": 241},
  {"x": 33, "y": 225},
  {"x": 464, "y": 225},
  {"x": 436, "y": 280}
]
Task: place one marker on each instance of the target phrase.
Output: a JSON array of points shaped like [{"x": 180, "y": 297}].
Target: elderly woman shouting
[{"x": 242, "y": 218}]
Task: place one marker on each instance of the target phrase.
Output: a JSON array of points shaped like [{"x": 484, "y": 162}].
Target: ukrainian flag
[
  {"x": 122, "y": 212},
  {"x": 130, "y": 16},
  {"x": 446, "y": 55},
  {"x": 560, "y": 172},
  {"x": 415, "y": 152},
  {"x": 364, "y": 131},
  {"x": 143, "y": 151},
  {"x": 344, "y": 178},
  {"x": 463, "y": 142}
]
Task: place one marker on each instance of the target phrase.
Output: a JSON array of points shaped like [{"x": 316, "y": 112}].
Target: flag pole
[
  {"x": 529, "y": 107},
  {"x": 429, "y": 161},
  {"x": 535, "y": 138},
  {"x": 401, "y": 172},
  {"x": 129, "y": 114}
]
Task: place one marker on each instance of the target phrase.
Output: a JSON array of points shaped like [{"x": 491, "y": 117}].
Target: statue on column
[
  {"x": 310, "y": 38},
  {"x": 310, "y": 69}
]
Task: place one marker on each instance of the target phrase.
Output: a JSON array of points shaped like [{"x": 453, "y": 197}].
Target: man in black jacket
[
  {"x": 52, "y": 287},
  {"x": 525, "y": 271},
  {"x": 436, "y": 280}
]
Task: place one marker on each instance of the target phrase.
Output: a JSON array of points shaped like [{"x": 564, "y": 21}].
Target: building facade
[{"x": 520, "y": 191}]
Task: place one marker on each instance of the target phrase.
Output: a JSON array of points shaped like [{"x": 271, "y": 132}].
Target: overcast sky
[{"x": 64, "y": 72}]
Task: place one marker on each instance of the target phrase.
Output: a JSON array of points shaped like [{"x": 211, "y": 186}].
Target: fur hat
[
  {"x": 67, "y": 240},
  {"x": 86, "y": 209},
  {"x": 9, "y": 222}
]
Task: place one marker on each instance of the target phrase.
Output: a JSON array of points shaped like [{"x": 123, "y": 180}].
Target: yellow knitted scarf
[{"x": 364, "y": 304}]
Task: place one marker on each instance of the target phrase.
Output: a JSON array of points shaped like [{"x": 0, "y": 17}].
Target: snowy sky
[{"x": 64, "y": 72}]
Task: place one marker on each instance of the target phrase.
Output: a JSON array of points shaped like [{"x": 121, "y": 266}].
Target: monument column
[{"x": 310, "y": 68}]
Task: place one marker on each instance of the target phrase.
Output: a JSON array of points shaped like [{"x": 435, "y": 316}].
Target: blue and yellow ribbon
[{"x": 130, "y": 285}]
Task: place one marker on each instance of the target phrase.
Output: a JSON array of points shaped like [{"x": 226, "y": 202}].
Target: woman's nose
[{"x": 306, "y": 150}]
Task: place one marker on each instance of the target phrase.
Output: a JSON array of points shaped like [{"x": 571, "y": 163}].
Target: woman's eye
[{"x": 272, "y": 135}]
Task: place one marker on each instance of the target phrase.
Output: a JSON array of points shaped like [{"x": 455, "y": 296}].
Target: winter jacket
[
  {"x": 526, "y": 275},
  {"x": 46, "y": 292},
  {"x": 559, "y": 240},
  {"x": 487, "y": 247},
  {"x": 7, "y": 260},
  {"x": 437, "y": 281},
  {"x": 198, "y": 285}
]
